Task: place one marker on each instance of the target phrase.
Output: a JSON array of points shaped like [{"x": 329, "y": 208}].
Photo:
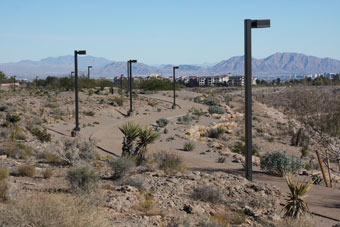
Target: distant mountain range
[{"x": 279, "y": 64}]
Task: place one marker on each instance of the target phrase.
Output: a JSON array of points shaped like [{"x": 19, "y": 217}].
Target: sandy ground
[{"x": 323, "y": 201}]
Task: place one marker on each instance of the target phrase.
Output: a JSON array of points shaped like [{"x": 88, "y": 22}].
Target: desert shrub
[
  {"x": 47, "y": 173},
  {"x": 26, "y": 170},
  {"x": 215, "y": 110},
  {"x": 300, "y": 138},
  {"x": 13, "y": 118},
  {"x": 16, "y": 150},
  {"x": 69, "y": 152},
  {"x": 210, "y": 101},
  {"x": 240, "y": 148},
  {"x": 169, "y": 162},
  {"x": 52, "y": 105},
  {"x": 82, "y": 178},
  {"x": 42, "y": 209},
  {"x": 304, "y": 152},
  {"x": 162, "y": 122},
  {"x": 3, "y": 173},
  {"x": 186, "y": 119},
  {"x": 121, "y": 166},
  {"x": 41, "y": 135},
  {"x": 51, "y": 157},
  {"x": 4, "y": 186},
  {"x": 278, "y": 163},
  {"x": 89, "y": 113},
  {"x": 227, "y": 99},
  {"x": 296, "y": 206},
  {"x": 119, "y": 101},
  {"x": 134, "y": 181},
  {"x": 215, "y": 132},
  {"x": 197, "y": 113},
  {"x": 207, "y": 193},
  {"x": 198, "y": 99},
  {"x": 188, "y": 146}
]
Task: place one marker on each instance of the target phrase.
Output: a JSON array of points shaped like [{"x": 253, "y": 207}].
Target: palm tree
[
  {"x": 146, "y": 137},
  {"x": 296, "y": 206},
  {"x": 131, "y": 132}
]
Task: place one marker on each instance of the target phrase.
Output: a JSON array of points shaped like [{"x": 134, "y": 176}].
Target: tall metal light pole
[
  {"x": 130, "y": 83},
  {"x": 174, "y": 81},
  {"x": 88, "y": 71},
  {"x": 14, "y": 82},
  {"x": 248, "y": 25},
  {"x": 121, "y": 84},
  {"x": 76, "y": 53}
]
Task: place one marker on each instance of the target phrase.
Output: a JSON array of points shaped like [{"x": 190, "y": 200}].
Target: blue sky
[{"x": 159, "y": 31}]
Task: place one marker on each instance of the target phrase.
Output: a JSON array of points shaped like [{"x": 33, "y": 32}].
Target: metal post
[
  {"x": 76, "y": 89},
  {"x": 174, "y": 83},
  {"x": 128, "y": 78},
  {"x": 248, "y": 100},
  {"x": 121, "y": 83},
  {"x": 88, "y": 72},
  {"x": 14, "y": 82},
  {"x": 130, "y": 81}
]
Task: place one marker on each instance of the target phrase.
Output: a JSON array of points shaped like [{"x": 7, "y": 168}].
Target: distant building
[{"x": 236, "y": 81}]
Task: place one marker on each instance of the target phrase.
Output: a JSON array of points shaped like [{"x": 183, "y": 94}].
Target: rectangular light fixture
[
  {"x": 260, "y": 23},
  {"x": 81, "y": 52}
]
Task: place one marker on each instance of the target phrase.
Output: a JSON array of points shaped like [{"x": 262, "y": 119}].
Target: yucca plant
[
  {"x": 296, "y": 206},
  {"x": 131, "y": 132},
  {"x": 146, "y": 136}
]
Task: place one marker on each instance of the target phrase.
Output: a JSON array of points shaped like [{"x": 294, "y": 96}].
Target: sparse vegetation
[
  {"x": 207, "y": 194},
  {"x": 189, "y": 146},
  {"x": 296, "y": 206},
  {"x": 215, "y": 110},
  {"x": 169, "y": 162},
  {"x": 278, "y": 163},
  {"x": 162, "y": 122},
  {"x": 82, "y": 179},
  {"x": 26, "y": 170},
  {"x": 121, "y": 166}
]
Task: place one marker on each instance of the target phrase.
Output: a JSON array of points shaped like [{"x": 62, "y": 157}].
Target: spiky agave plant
[
  {"x": 131, "y": 132},
  {"x": 296, "y": 206},
  {"x": 146, "y": 136}
]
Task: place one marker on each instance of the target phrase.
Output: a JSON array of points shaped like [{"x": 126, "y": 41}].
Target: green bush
[
  {"x": 43, "y": 136},
  {"x": 215, "y": 110},
  {"x": 198, "y": 99},
  {"x": 215, "y": 132},
  {"x": 189, "y": 146},
  {"x": 13, "y": 118},
  {"x": 186, "y": 119},
  {"x": 210, "y": 101},
  {"x": 279, "y": 162},
  {"x": 82, "y": 178},
  {"x": 162, "y": 122},
  {"x": 121, "y": 166},
  {"x": 89, "y": 113}
]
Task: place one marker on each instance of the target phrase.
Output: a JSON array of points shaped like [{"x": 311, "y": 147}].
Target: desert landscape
[{"x": 183, "y": 166}]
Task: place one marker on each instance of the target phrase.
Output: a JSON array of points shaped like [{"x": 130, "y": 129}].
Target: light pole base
[
  {"x": 174, "y": 106},
  {"x": 75, "y": 132},
  {"x": 130, "y": 113}
]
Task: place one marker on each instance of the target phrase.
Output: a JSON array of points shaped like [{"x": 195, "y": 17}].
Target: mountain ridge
[{"x": 275, "y": 65}]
